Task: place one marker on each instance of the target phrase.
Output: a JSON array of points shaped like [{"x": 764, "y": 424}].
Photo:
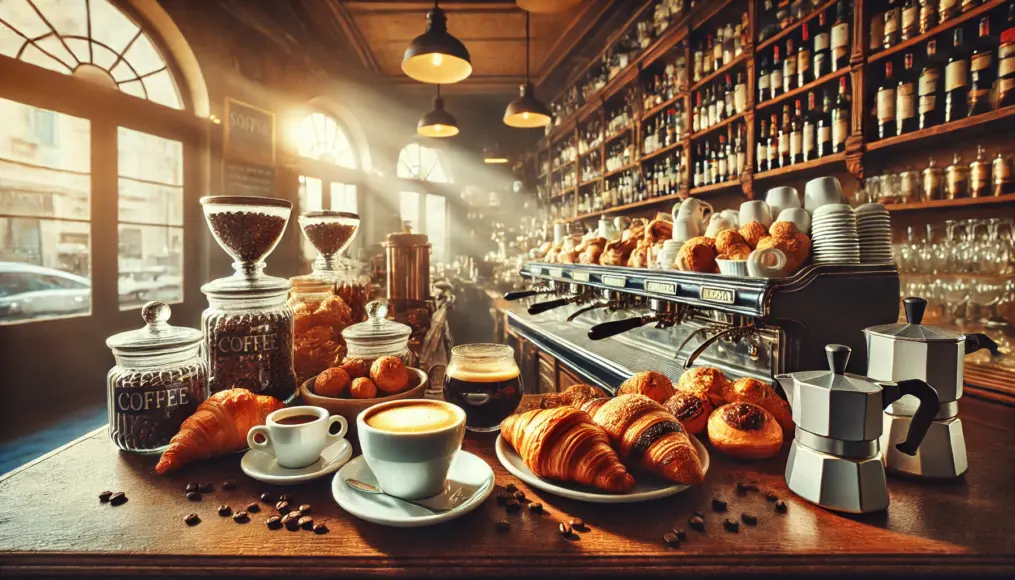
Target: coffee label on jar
[
  {"x": 956, "y": 74},
  {"x": 981, "y": 61},
  {"x": 238, "y": 344},
  {"x": 886, "y": 105},
  {"x": 904, "y": 101},
  {"x": 840, "y": 130},
  {"x": 135, "y": 401}
]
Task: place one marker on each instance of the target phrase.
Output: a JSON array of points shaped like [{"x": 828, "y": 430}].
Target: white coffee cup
[
  {"x": 799, "y": 216},
  {"x": 782, "y": 198},
  {"x": 822, "y": 191},
  {"x": 755, "y": 211},
  {"x": 685, "y": 229},
  {"x": 297, "y": 435},
  {"x": 767, "y": 263},
  {"x": 409, "y": 462}
]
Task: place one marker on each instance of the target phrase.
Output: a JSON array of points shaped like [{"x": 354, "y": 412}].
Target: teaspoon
[{"x": 367, "y": 488}]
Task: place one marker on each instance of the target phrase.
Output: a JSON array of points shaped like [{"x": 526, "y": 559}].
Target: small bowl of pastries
[{"x": 356, "y": 385}]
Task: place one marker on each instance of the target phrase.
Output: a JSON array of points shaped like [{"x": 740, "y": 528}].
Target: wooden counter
[{"x": 53, "y": 524}]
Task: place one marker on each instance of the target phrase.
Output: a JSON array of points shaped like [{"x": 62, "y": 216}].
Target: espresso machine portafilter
[{"x": 664, "y": 314}]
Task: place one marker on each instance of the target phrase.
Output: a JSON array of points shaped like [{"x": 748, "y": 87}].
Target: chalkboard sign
[
  {"x": 246, "y": 179},
  {"x": 249, "y": 133}
]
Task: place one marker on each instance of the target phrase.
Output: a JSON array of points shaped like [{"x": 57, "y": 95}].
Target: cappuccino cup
[
  {"x": 297, "y": 435},
  {"x": 409, "y": 445}
]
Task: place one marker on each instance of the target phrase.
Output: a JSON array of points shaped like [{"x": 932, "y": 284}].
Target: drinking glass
[{"x": 484, "y": 380}]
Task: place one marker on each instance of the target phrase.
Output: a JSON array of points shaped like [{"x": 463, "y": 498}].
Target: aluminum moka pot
[{"x": 912, "y": 350}]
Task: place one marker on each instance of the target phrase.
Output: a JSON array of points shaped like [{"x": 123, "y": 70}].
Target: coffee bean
[
  {"x": 118, "y": 498},
  {"x": 253, "y": 508},
  {"x": 282, "y": 507},
  {"x": 503, "y": 525},
  {"x": 295, "y": 514},
  {"x": 565, "y": 529},
  {"x": 511, "y": 488},
  {"x": 671, "y": 540},
  {"x": 228, "y": 484},
  {"x": 699, "y": 514},
  {"x": 749, "y": 519},
  {"x": 731, "y": 525},
  {"x": 241, "y": 517},
  {"x": 718, "y": 505},
  {"x": 305, "y": 508},
  {"x": 578, "y": 524},
  {"x": 291, "y": 524},
  {"x": 696, "y": 523},
  {"x": 283, "y": 497},
  {"x": 192, "y": 520},
  {"x": 194, "y": 495},
  {"x": 780, "y": 506},
  {"x": 267, "y": 498},
  {"x": 771, "y": 497},
  {"x": 192, "y": 486},
  {"x": 104, "y": 496},
  {"x": 514, "y": 506},
  {"x": 320, "y": 528},
  {"x": 306, "y": 522},
  {"x": 206, "y": 487},
  {"x": 273, "y": 523},
  {"x": 536, "y": 507},
  {"x": 520, "y": 496},
  {"x": 225, "y": 511},
  {"x": 681, "y": 534},
  {"x": 502, "y": 498}
]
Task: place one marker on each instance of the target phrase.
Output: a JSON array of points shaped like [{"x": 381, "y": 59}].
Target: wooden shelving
[
  {"x": 795, "y": 26},
  {"x": 801, "y": 167},
  {"x": 1006, "y": 114},
  {"x": 720, "y": 71},
  {"x": 733, "y": 183},
  {"x": 717, "y": 126},
  {"x": 620, "y": 170},
  {"x": 626, "y": 130},
  {"x": 592, "y": 181},
  {"x": 630, "y": 206},
  {"x": 768, "y": 103},
  {"x": 663, "y": 151},
  {"x": 950, "y": 203},
  {"x": 943, "y": 27},
  {"x": 663, "y": 106},
  {"x": 590, "y": 151}
]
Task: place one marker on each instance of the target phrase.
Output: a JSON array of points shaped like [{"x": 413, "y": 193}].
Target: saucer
[
  {"x": 264, "y": 467},
  {"x": 470, "y": 482}
]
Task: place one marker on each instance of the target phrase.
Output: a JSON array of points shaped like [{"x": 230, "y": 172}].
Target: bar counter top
[{"x": 53, "y": 524}]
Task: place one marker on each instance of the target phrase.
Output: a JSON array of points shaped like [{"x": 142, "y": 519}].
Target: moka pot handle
[{"x": 925, "y": 413}]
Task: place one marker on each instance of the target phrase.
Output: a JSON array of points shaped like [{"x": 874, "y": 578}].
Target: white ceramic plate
[
  {"x": 470, "y": 482},
  {"x": 646, "y": 488},
  {"x": 264, "y": 467}
]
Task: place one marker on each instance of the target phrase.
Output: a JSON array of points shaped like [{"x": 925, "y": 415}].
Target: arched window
[
  {"x": 422, "y": 208},
  {"x": 422, "y": 163},
  {"x": 320, "y": 137},
  {"x": 90, "y": 39}
]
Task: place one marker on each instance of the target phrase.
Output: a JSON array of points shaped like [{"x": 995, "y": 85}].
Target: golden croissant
[
  {"x": 564, "y": 444},
  {"x": 219, "y": 426},
  {"x": 644, "y": 433}
]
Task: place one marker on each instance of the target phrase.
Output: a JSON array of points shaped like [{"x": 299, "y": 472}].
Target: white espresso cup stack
[{"x": 874, "y": 227}]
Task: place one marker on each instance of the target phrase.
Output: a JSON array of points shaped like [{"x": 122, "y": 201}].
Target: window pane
[
  {"x": 436, "y": 226},
  {"x": 45, "y": 269},
  {"x": 321, "y": 137},
  {"x": 343, "y": 197},
  {"x": 409, "y": 209},
  {"x": 110, "y": 26},
  {"x": 149, "y": 157},
  {"x": 150, "y": 265}
]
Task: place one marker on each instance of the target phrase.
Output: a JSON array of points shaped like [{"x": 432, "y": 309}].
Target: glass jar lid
[
  {"x": 238, "y": 286},
  {"x": 377, "y": 328},
  {"x": 912, "y": 329},
  {"x": 157, "y": 336}
]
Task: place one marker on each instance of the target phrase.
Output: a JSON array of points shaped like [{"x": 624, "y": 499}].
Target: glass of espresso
[{"x": 483, "y": 379}]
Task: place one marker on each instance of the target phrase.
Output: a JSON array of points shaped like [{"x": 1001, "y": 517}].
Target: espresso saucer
[
  {"x": 264, "y": 467},
  {"x": 470, "y": 482}
]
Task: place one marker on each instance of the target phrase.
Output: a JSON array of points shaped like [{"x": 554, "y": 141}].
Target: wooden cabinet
[
  {"x": 565, "y": 377},
  {"x": 547, "y": 374}
]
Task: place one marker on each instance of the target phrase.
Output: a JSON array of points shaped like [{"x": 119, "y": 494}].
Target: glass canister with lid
[
  {"x": 331, "y": 232},
  {"x": 158, "y": 381},
  {"x": 379, "y": 336},
  {"x": 319, "y": 318},
  {"x": 248, "y": 325}
]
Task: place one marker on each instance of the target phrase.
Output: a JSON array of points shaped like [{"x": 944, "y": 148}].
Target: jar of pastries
[
  {"x": 159, "y": 380},
  {"x": 378, "y": 336},
  {"x": 319, "y": 317}
]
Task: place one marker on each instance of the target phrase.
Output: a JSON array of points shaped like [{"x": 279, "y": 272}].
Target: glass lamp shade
[
  {"x": 526, "y": 112},
  {"x": 493, "y": 156},
  {"x": 438, "y": 122},
  {"x": 436, "y": 56}
]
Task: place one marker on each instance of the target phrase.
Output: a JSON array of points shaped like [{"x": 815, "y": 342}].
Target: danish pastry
[
  {"x": 744, "y": 431},
  {"x": 752, "y": 232},
  {"x": 749, "y": 390},
  {"x": 653, "y": 385},
  {"x": 707, "y": 382},
  {"x": 691, "y": 410}
]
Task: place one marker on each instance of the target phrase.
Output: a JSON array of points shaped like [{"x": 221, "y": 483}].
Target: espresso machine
[
  {"x": 935, "y": 355},
  {"x": 835, "y": 459}
]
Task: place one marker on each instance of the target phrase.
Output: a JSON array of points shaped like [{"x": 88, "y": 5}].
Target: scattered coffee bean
[
  {"x": 225, "y": 511},
  {"x": 771, "y": 497},
  {"x": 718, "y": 505},
  {"x": 565, "y": 528},
  {"x": 228, "y": 484},
  {"x": 306, "y": 522},
  {"x": 503, "y": 525},
  {"x": 320, "y": 528},
  {"x": 520, "y": 496},
  {"x": 192, "y": 486},
  {"x": 511, "y": 488},
  {"x": 731, "y": 525},
  {"x": 104, "y": 496},
  {"x": 283, "y": 497},
  {"x": 241, "y": 517},
  {"x": 514, "y": 506},
  {"x": 536, "y": 507},
  {"x": 253, "y": 508},
  {"x": 295, "y": 514},
  {"x": 503, "y": 497},
  {"x": 749, "y": 519},
  {"x": 194, "y": 495},
  {"x": 273, "y": 523},
  {"x": 696, "y": 523},
  {"x": 671, "y": 540},
  {"x": 305, "y": 508},
  {"x": 267, "y": 498},
  {"x": 578, "y": 524},
  {"x": 192, "y": 520},
  {"x": 780, "y": 506},
  {"x": 291, "y": 524},
  {"x": 282, "y": 507},
  {"x": 118, "y": 498},
  {"x": 681, "y": 534},
  {"x": 206, "y": 487},
  {"x": 699, "y": 514}
]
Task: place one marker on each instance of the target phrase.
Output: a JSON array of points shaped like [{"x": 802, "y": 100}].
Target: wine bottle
[
  {"x": 982, "y": 71},
  {"x": 928, "y": 15},
  {"x": 712, "y": 118},
  {"x": 821, "y": 64},
  {"x": 886, "y": 104},
  {"x": 784, "y": 136},
  {"x": 740, "y": 94},
  {"x": 803, "y": 59},
  {"x": 720, "y": 166},
  {"x": 947, "y": 9},
  {"x": 840, "y": 119},
  {"x": 840, "y": 37},
  {"x": 905, "y": 99},
  {"x": 796, "y": 135},
  {"x": 968, "y": 5},
  {"x": 741, "y": 151},
  {"x": 910, "y": 20},
  {"x": 699, "y": 167},
  {"x": 810, "y": 141},
  {"x": 825, "y": 127},
  {"x": 731, "y": 154},
  {"x": 773, "y": 142},
  {"x": 728, "y": 97},
  {"x": 957, "y": 81},
  {"x": 1006, "y": 62},
  {"x": 892, "y": 18},
  {"x": 761, "y": 155},
  {"x": 775, "y": 75},
  {"x": 930, "y": 108},
  {"x": 789, "y": 68}
]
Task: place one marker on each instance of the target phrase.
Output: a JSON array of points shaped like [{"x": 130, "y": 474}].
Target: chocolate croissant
[{"x": 564, "y": 444}]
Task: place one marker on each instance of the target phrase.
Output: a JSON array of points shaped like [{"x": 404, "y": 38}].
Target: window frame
[{"x": 426, "y": 187}]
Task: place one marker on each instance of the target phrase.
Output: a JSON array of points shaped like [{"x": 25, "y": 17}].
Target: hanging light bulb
[
  {"x": 493, "y": 156},
  {"x": 436, "y": 56},
  {"x": 437, "y": 123},
  {"x": 526, "y": 112}
]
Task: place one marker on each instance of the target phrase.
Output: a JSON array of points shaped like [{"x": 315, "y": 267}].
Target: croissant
[
  {"x": 574, "y": 396},
  {"x": 653, "y": 385},
  {"x": 219, "y": 426},
  {"x": 564, "y": 444},
  {"x": 644, "y": 433}
]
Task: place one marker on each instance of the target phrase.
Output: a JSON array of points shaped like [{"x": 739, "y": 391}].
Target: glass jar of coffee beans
[{"x": 159, "y": 380}]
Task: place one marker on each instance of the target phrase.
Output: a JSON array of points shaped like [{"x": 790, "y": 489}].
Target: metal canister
[
  {"x": 408, "y": 266},
  {"x": 909, "y": 186},
  {"x": 979, "y": 175},
  {"x": 956, "y": 179},
  {"x": 933, "y": 182},
  {"x": 1001, "y": 173}
]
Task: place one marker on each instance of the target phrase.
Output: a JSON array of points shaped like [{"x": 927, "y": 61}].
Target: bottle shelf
[
  {"x": 801, "y": 167},
  {"x": 733, "y": 183},
  {"x": 795, "y": 26},
  {"x": 626, "y": 130},
  {"x": 620, "y": 170},
  {"x": 951, "y": 203},
  {"x": 1005, "y": 114},
  {"x": 769, "y": 103},
  {"x": 717, "y": 126},
  {"x": 663, "y": 151},
  {"x": 662, "y": 106},
  {"x": 721, "y": 71},
  {"x": 633, "y": 205},
  {"x": 940, "y": 28}
]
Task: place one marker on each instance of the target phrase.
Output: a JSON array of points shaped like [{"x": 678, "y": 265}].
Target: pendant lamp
[
  {"x": 493, "y": 156},
  {"x": 547, "y": 6},
  {"x": 435, "y": 56},
  {"x": 526, "y": 112},
  {"x": 437, "y": 123}
]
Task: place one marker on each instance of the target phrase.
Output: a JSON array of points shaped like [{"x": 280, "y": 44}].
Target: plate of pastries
[
  {"x": 638, "y": 246},
  {"x": 357, "y": 384}
]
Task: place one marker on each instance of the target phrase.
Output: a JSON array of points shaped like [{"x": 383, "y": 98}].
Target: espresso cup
[
  {"x": 781, "y": 198},
  {"x": 409, "y": 444},
  {"x": 767, "y": 263},
  {"x": 756, "y": 211},
  {"x": 822, "y": 191},
  {"x": 297, "y": 435},
  {"x": 799, "y": 216}
]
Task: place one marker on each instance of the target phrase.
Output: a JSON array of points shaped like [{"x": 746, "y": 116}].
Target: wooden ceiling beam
[{"x": 341, "y": 14}]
